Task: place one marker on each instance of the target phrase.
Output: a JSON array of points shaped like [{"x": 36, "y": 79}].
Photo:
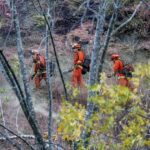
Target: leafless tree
[
  {"x": 11, "y": 78},
  {"x": 54, "y": 47},
  {"x": 50, "y": 21},
  {"x": 26, "y": 101}
]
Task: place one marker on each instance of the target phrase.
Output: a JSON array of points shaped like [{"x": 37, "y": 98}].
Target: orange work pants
[
  {"x": 125, "y": 82},
  {"x": 77, "y": 79},
  {"x": 38, "y": 79}
]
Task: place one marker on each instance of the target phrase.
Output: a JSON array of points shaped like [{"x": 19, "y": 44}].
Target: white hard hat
[
  {"x": 76, "y": 45},
  {"x": 35, "y": 52}
]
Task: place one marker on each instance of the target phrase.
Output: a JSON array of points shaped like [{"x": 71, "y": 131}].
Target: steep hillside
[{"x": 70, "y": 25}]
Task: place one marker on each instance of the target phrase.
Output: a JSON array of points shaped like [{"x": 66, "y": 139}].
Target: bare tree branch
[
  {"x": 55, "y": 53},
  {"x": 5, "y": 42},
  {"x": 80, "y": 7},
  {"x": 32, "y": 1},
  {"x": 17, "y": 120},
  {"x": 92, "y": 10},
  {"x": 30, "y": 137},
  {"x": 25, "y": 79},
  {"x": 10, "y": 141},
  {"x": 106, "y": 42},
  {"x": 17, "y": 136},
  {"x": 84, "y": 14},
  {"x": 2, "y": 115},
  {"x": 148, "y": 6},
  {"x": 49, "y": 90},
  {"x": 127, "y": 21},
  {"x": 16, "y": 88},
  {"x": 50, "y": 97}
]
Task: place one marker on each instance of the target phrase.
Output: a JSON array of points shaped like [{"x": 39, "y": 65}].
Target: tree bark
[
  {"x": 106, "y": 43},
  {"x": 94, "y": 67},
  {"x": 50, "y": 97},
  {"x": 50, "y": 14},
  {"x": 10, "y": 141},
  {"x": 10, "y": 76},
  {"x": 28, "y": 101}
]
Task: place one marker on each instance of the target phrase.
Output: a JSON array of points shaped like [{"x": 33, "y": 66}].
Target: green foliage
[
  {"x": 74, "y": 92},
  {"x": 119, "y": 108},
  {"x": 39, "y": 20},
  {"x": 71, "y": 121},
  {"x": 143, "y": 70},
  {"x": 2, "y": 22},
  {"x": 6, "y": 99},
  {"x": 75, "y": 3},
  {"x": 15, "y": 64},
  {"x": 2, "y": 90}
]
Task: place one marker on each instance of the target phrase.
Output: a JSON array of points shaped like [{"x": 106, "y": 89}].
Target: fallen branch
[
  {"x": 11, "y": 142},
  {"x": 4, "y": 138},
  {"x": 15, "y": 137},
  {"x": 18, "y": 136}
]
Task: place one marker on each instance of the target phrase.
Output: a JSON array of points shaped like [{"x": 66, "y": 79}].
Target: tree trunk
[
  {"x": 32, "y": 121},
  {"x": 50, "y": 14},
  {"x": 50, "y": 98},
  {"x": 11, "y": 78},
  {"x": 106, "y": 43},
  {"x": 94, "y": 67}
]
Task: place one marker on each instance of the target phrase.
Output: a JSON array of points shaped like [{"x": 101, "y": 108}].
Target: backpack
[
  {"x": 127, "y": 70},
  {"x": 86, "y": 65}
]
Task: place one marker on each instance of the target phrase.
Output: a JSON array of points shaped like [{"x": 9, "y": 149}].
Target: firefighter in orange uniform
[
  {"x": 39, "y": 68},
  {"x": 118, "y": 68},
  {"x": 79, "y": 56}
]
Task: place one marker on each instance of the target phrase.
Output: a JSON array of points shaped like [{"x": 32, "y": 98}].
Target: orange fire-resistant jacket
[
  {"x": 118, "y": 67},
  {"x": 122, "y": 80},
  {"x": 79, "y": 57},
  {"x": 40, "y": 70},
  {"x": 40, "y": 65},
  {"x": 77, "y": 79}
]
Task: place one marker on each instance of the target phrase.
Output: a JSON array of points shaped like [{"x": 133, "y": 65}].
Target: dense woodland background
[{"x": 102, "y": 117}]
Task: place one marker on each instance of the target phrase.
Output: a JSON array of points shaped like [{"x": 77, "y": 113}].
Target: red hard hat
[{"x": 114, "y": 56}]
